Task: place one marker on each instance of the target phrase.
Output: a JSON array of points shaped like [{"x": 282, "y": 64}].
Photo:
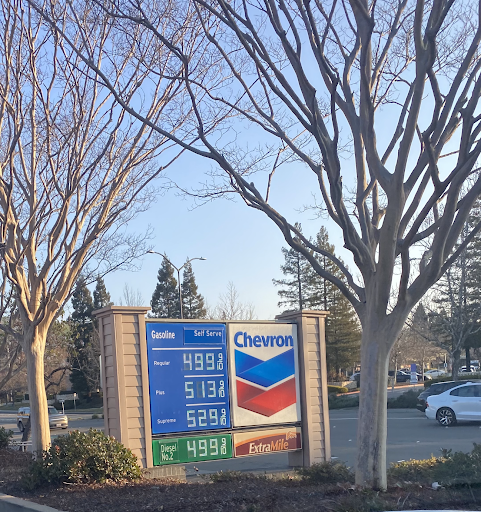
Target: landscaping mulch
[{"x": 238, "y": 493}]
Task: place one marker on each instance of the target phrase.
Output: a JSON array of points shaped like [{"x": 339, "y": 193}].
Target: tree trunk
[
  {"x": 372, "y": 424},
  {"x": 34, "y": 346},
  {"x": 455, "y": 363},
  {"x": 468, "y": 359}
]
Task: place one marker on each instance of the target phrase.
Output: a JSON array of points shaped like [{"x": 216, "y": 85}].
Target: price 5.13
[{"x": 204, "y": 389}]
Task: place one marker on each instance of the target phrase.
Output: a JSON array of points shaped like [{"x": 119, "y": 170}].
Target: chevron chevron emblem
[{"x": 265, "y": 387}]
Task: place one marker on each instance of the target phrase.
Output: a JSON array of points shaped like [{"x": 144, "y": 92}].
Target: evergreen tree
[
  {"x": 343, "y": 334},
  {"x": 165, "y": 299},
  {"x": 294, "y": 292},
  {"x": 192, "y": 301},
  {"x": 101, "y": 295},
  {"x": 458, "y": 299},
  {"x": 305, "y": 289},
  {"x": 82, "y": 334}
]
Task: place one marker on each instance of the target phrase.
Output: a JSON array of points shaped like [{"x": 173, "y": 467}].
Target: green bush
[
  {"x": 234, "y": 476},
  {"x": 326, "y": 473},
  {"x": 5, "y": 437},
  {"x": 341, "y": 402},
  {"x": 337, "y": 389},
  {"x": 450, "y": 469},
  {"x": 95, "y": 416},
  {"x": 83, "y": 457},
  {"x": 446, "y": 378},
  {"x": 407, "y": 400}
]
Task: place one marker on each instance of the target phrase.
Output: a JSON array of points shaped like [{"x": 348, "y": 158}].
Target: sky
[{"x": 241, "y": 245}]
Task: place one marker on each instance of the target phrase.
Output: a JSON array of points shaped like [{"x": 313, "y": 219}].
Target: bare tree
[
  {"x": 75, "y": 167},
  {"x": 12, "y": 360},
  {"x": 456, "y": 318},
  {"x": 416, "y": 343},
  {"x": 230, "y": 307},
  {"x": 131, "y": 297},
  {"x": 391, "y": 85}
]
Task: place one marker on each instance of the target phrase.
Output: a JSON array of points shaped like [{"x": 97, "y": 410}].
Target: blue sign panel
[{"x": 187, "y": 377}]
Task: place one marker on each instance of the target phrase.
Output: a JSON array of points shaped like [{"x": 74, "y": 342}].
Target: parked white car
[
  {"x": 461, "y": 403},
  {"x": 434, "y": 373}
]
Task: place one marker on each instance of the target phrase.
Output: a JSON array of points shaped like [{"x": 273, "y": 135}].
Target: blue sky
[{"x": 239, "y": 243}]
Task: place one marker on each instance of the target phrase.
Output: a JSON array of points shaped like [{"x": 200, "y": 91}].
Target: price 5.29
[{"x": 206, "y": 418}]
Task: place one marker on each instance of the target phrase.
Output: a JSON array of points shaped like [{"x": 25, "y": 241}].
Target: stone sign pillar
[
  {"x": 316, "y": 437},
  {"x": 125, "y": 378}
]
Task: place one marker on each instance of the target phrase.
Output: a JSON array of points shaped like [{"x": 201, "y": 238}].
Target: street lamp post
[{"x": 178, "y": 274}]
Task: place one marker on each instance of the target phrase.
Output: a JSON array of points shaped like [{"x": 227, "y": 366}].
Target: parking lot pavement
[
  {"x": 80, "y": 422},
  {"x": 410, "y": 436}
]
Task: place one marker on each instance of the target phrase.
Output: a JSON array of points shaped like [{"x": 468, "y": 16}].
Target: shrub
[
  {"x": 326, "y": 473},
  {"x": 341, "y": 402},
  {"x": 337, "y": 389},
  {"x": 406, "y": 400},
  {"x": 83, "y": 457},
  {"x": 5, "y": 437},
  {"x": 235, "y": 476},
  {"x": 450, "y": 469},
  {"x": 446, "y": 378},
  {"x": 95, "y": 416}
]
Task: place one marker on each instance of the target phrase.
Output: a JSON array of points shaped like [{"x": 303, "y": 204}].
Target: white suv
[{"x": 461, "y": 403}]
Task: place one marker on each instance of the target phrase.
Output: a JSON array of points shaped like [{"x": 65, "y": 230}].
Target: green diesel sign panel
[{"x": 191, "y": 449}]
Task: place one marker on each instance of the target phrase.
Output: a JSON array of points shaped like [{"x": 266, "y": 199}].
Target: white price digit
[
  {"x": 209, "y": 362},
  {"x": 199, "y": 362},
  {"x": 223, "y": 448},
  {"x": 223, "y": 417},
  {"x": 191, "y": 449},
  {"x": 213, "y": 419},
  {"x": 189, "y": 389},
  {"x": 200, "y": 389},
  {"x": 191, "y": 418},
  {"x": 221, "y": 389},
  {"x": 202, "y": 447},
  {"x": 214, "y": 446},
  {"x": 187, "y": 362},
  {"x": 211, "y": 388},
  {"x": 202, "y": 414}
]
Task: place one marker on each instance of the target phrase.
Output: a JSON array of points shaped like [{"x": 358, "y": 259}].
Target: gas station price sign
[
  {"x": 187, "y": 377},
  {"x": 191, "y": 449}
]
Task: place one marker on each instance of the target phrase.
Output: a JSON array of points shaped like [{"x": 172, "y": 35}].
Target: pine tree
[
  {"x": 82, "y": 334},
  {"x": 458, "y": 299},
  {"x": 165, "y": 299},
  {"x": 343, "y": 334},
  {"x": 192, "y": 301},
  {"x": 294, "y": 291},
  {"x": 101, "y": 295},
  {"x": 305, "y": 289}
]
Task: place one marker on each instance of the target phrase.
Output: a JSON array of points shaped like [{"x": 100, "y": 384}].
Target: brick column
[
  {"x": 123, "y": 347},
  {"x": 316, "y": 436}
]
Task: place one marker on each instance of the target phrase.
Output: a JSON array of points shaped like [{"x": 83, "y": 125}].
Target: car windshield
[{"x": 52, "y": 410}]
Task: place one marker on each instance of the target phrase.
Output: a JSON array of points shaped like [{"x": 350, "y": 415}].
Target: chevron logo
[{"x": 265, "y": 387}]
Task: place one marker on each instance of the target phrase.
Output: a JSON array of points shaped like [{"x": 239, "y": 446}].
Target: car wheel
[
  {"x": 20, "y": 426},
  {"x": 446, "y": 417}
]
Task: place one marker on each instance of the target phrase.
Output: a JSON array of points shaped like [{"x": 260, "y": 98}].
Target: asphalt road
[
  {"x": 76, "y": 421},
  {"x": 410, "y": 436}
]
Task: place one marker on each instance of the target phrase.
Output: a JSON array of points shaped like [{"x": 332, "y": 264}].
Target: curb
[{"x": 12, "y": 504}]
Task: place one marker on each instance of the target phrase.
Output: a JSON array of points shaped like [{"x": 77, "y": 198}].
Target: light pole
[{"x": 178, "y": 274}]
